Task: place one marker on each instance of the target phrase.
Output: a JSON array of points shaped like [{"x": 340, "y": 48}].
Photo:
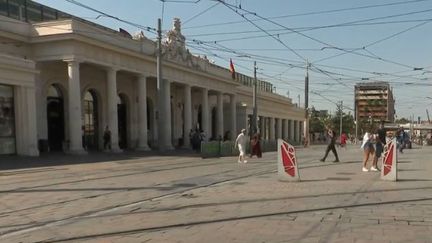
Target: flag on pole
[{"x": 232, "y": 70}]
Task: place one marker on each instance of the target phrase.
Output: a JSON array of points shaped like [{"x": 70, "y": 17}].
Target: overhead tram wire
[
  {"x": 326, "y": 73},
  {"x": 308, "y": 28},
  {"x": 376, "y": 42},
  {"x": 315, "y": 13},
  {"x": 108, "y": 15},
  {"x": 279, "y": 61},
  {"x": 301, "y": 29},
  {"x": 145, "y": 28},
  {"x": 281, "y": 81},
  {"x": 199, "y": 14},
  {"x": 232, "y": 7},
  {"x": 257, "y": 26},
  {"x": 226, "y": 49}
]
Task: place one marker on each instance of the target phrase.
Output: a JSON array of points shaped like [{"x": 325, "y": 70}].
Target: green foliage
[{"x": 402, "y": 120}]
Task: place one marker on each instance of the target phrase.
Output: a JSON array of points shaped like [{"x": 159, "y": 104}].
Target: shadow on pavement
[
  {"x": 408, "y": 180},
  {"x": 12, "y": 162}
]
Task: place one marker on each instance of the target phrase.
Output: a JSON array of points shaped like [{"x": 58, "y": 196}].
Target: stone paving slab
[{"x": 218, "y": 200}]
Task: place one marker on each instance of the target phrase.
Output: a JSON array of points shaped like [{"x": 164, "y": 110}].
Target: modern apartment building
[{"x": 374, "y": 101}]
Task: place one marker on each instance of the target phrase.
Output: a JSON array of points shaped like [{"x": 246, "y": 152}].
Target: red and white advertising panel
[
  {"x": 389, "y": 161},
  {"x": 287, "y": 162}
]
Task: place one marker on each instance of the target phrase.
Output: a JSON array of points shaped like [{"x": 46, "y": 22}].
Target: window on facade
[
  {"x": 3, "y": 7},
  {"x": 17, "y": 9},
  {"x": 49, "y": 14},
  {"x": 89, "y": 128},
  {"x": 34, "y": 12},
  {"x": 7, "y": 120}
]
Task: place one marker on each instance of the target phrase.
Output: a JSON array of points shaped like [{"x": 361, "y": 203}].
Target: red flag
[{"x": 232, "y": 70}]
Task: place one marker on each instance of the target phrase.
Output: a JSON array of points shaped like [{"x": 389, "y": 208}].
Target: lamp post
[{"x": 255, "y": 108}]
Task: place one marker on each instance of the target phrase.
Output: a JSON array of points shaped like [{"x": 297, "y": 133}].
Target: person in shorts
[
  {"x": 368, "y": 149},
  {"x": 240, "y": 143}
]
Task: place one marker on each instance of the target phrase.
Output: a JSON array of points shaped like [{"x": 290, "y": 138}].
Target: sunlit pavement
[{"x": 188, "y": 199}]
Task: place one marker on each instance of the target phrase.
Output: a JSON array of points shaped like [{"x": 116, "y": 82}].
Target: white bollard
[
  {"x": 287, "y": 162},
  {"x": 389, "y": 161}
]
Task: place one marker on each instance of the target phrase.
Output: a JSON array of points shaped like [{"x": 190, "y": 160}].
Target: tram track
[
  {"x": 45, "y": 224},
  {"x": 101, "y": 211}
]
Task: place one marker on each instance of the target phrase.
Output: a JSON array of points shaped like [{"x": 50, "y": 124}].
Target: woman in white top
[
  {"x": 368, "y": 149},
  {"x": 241, "y": 144}
]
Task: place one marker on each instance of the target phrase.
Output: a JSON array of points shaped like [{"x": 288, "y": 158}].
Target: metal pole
[
  {"x": 306, "y": 126},
  {"x": 159, "y": 55},
  {"x": 356, "y": 124},
  {"x": 298, "y": 100},
  {"x": 255, "y": 111},
  {"x": 341, "y": 114},
  {"x": 159, "y": 101}
]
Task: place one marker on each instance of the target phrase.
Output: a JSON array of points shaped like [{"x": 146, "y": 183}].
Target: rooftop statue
[
  {"x": 174, "y": 37},
  {"x": 175, "y": 46}
]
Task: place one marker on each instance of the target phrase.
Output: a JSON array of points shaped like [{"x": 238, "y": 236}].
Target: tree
[
  {"x": 316, "y": 123},
  {"x": 402, "y": 120}
]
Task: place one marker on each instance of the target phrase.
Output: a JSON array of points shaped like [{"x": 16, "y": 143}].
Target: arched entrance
[
  {"x": 199, "y": 124},
  {"x": 55, "y": 118},
  {"x": 122, "y": 120},
  {"x": 90, "y": 120}
]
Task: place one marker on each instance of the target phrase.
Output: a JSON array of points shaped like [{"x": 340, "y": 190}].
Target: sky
[{"x": 344, "y": 42}]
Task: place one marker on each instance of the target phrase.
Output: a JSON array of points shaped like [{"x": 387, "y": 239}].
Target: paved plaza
[{"x": 152, "y": 198}]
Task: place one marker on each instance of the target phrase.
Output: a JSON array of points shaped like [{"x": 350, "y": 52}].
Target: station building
[{"x": 63, "y": 80}]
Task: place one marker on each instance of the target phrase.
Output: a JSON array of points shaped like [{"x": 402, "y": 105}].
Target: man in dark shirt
[
  {"x": 379, "y": 146},
  {"x": 331, "y": 146}
]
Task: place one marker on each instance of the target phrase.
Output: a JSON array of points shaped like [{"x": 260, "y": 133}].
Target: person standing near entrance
[
  {"x": 331, "y": 146},
  {"x": 241, "y": 144},
  {"x": 107, "y": 138},
  {"x": 256, "y": 146}
]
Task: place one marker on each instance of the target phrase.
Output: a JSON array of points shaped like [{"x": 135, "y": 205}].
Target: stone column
[
  {"x": 187, "y": 115},
  {"x": 286, "y": 132},
  {"x": 272, "y": 128},
  {"x": 220, "y": 117},
  {"x": 233, "y": 117},
  {"x": 74, "y": 108},
  {"x": 164, "y": 119},
  {"x": 142, "y": 114},
  {"x": 279, "y": 128},
  {"x": 205, "y": 113},
  {"x": 300, "y": 129},
  {"x": 112, "y": 108},
  {"x": 295, "y": 130},
  {"x": 291, "y": 130}
]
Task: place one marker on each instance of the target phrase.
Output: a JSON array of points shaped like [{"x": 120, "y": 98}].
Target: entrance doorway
[
  {"x": 213, "y": 124},
  {"x": 90, "y": 138},
  {"x": 122, "y": 121},
  {"x": 55, "y": 118}
]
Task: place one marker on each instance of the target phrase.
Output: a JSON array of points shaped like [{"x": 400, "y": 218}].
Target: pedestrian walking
[
  {"x": 241, "y": 144},
  {"x": 256, "y": 146},
  {"x": 380, "y": 139},
  {"x": 400, "y": 137},
  {"x": 368, "y": 149},
  {"x": 331, "y": 145}
]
